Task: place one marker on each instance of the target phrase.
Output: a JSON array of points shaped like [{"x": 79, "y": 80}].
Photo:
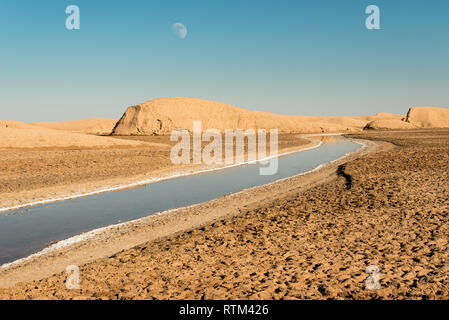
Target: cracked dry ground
[{"x": 314, "y": 245}]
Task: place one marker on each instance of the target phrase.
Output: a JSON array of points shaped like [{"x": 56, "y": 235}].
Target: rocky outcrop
[
  {"x": 161, "y": 116},
  {"x": 428, "y": 117}
]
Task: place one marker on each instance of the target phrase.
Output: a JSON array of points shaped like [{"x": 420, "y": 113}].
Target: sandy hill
[
  {"x": 381, "y": 116},
  {"x": 35, "y": 137},
  {"x": 389, "y": 124},
  {"x": 100, "y": 126},
  {"x": 161, "y": 116},
  {"x": 15, "y": 125},
  {"x": 387, "y": 115},
  {"x": 429, "y": 117}
]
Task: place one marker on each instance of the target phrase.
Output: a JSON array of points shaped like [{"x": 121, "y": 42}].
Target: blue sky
[{"x": 291, "y": 57}]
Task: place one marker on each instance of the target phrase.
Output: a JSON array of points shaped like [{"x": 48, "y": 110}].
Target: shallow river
[{"x": 29, "y": 230}]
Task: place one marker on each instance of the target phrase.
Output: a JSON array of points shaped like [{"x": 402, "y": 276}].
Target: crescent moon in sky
[{"x": 179, "y": 30}]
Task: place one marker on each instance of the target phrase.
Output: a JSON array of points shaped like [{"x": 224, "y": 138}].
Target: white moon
[{"x": 179, "y": 30}]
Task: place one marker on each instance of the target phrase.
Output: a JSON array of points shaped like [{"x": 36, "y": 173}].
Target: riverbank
[
  {"x": 311, "y": 236},
  {"x": 112, "y": 239},
  {"x": 288, "y": 144}
]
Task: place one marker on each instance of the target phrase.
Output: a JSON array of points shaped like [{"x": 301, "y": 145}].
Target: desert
[
  {"x": 138, "y": 145},
  {"x": 310, "y": 236}
]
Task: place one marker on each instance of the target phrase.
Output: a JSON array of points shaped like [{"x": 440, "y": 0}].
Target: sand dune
[
  {"x": 161, "y": 116},
  {"x": 417, "y": 117},
  {"x": 429, "y": 117},
  {"x": 388, "y": 115},
  {"x": 35, "y": 137},
  {"x": 101, "y": 126},
  {"x": 15, "y": 125}
]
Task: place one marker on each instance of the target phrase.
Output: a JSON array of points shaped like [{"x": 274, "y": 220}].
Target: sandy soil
[
  {"x": 309, "y": 237},
  {"x": 36, "y": 137},
  {"x": 34, "y": 174},
  {"x": 90, "y": 126},
  {"x": 116, "y": 238}
]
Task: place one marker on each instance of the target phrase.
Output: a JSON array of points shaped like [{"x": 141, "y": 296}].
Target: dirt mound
[
  {"x": 162, "y": 116},
  {"x": 35, "y": 137},
  {"x": 389, "y": 124},
  {"x": 100, "y": 126},
  {"x": 380, "y": 116},
  {"x": 429, "y": 117}
]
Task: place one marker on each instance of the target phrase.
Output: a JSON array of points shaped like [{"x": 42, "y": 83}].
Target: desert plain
[{"x": 306, "y": 237}]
